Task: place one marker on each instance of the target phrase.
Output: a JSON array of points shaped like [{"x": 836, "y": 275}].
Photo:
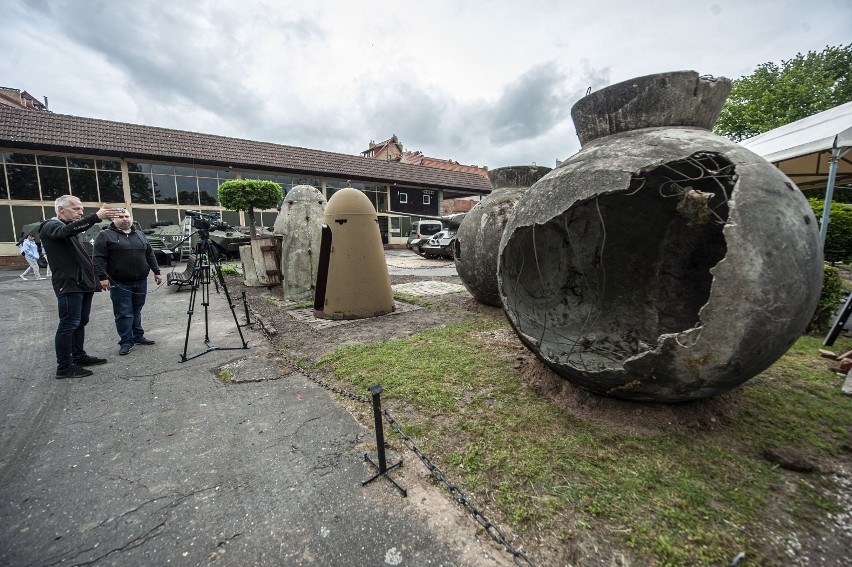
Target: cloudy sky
[{"x": 481, "y": 82}]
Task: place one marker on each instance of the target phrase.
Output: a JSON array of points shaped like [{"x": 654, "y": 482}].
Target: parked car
[{"x": 440, "y": 245}]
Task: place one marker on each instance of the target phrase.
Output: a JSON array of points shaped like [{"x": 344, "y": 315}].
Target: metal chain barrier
[
  {"x": 435, "y": 471},
  {"x": 258, "y": 324},
  {"x": 518, "y": 556}
]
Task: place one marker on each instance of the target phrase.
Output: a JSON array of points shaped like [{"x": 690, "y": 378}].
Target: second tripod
[{"x": 207, "y": 268}]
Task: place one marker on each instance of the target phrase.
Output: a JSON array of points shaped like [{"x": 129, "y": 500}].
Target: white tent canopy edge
[{"x": 827, "y": 130}]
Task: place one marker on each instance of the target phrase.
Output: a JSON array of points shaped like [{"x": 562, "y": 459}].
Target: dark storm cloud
[
  {"x": 529, "y": 106},
  {"x": 402, "y": 108},
  {"x": 175, "y": 55},
  {"x": 529, "y": 121}
]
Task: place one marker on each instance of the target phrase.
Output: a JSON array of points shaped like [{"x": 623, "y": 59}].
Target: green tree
[
  {"x": 838, "y": 237},
  {"x": 248, "y": 195},
  {"x": 776, "y": 95}
]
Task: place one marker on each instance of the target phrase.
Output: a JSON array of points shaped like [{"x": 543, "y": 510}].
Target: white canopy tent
[{"x": 811, "y": 152}]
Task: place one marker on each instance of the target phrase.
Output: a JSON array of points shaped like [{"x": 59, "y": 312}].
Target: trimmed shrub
[
  {"x": 829, "y": 301},
  {"x": 248, "y": 195},
  {"x": 838, "y": 237}
]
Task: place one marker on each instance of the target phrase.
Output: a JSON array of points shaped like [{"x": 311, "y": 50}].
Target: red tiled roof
[
  {"x": 72, "y": 134},
  {"x": 417, "y": 158}
]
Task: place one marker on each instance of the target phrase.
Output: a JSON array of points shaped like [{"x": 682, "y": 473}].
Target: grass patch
[
  {"x": 695, "y": 498},
  {"x": 411, "y": 298},
  {"x": 231, "y": 268}
]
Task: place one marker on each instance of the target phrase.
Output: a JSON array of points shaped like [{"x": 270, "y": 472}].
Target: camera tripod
[{"x": 207, "y": 257}]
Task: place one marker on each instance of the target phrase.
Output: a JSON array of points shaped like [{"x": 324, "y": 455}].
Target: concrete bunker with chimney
[{"x": 649, "y": 266}]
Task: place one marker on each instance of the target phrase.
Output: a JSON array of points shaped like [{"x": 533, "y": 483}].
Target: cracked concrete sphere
[
  {"x": 477, "y": 242},
  {"x": 478, "y": 237},
  {"x": 660, "y": 264}
]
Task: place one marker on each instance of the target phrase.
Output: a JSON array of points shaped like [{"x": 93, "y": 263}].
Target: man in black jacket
[
  {"x": 74, "y": 282},
  {"x": 123, "y": 258}
]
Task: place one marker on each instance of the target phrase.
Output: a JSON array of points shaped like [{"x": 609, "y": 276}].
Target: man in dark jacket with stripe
[
  {"x": 74, "y": 282},
  {"x": 123, "y": 258}
]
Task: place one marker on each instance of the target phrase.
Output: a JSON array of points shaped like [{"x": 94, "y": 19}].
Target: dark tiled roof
[{"x": 73, "y": 134}]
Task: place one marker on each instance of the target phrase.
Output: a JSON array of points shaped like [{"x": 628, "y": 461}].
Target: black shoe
[
  {"x": 89, "y": 361},
  {"x": 125, "y": 349},
  {"x": 73, "y": 371},
  {"x": 144, "y": 341}
]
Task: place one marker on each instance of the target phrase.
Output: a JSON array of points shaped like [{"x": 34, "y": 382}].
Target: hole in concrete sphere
[{"x": 602, "y": 281}]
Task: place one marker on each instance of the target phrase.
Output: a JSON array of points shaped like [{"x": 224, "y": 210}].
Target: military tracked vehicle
[
  {"x": 169, "y": 238},
  {"x": 161, "y": 251},
  {"x": 227, "y": 241},
  {"x": 174, "y": 237},
  {"x": 439, "y": 245},
  {"x": 432, "y": 239}
]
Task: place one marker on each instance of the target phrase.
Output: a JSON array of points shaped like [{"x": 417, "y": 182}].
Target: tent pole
[{"x": 829, "y": 192}]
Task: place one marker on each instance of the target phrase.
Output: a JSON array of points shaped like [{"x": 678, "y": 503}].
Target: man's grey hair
[{"x": 63, "y": 201}]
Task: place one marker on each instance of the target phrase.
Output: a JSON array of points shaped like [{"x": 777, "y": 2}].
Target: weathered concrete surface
[
  {"x": 478, "y": 237},
  {"x": 478, "y": 241},
  {"x": 249, "y": 269},
  {"x": 516, "y": 175},
  {"x": 299, "y": 225},
  {"x": 641, "y": 270},
  {"x": 680, "y": 98}
]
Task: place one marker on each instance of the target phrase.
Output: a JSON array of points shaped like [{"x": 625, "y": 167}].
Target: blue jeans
[
  {"x": 127, "y": 302},
  {"x": 74, "y": 309}
]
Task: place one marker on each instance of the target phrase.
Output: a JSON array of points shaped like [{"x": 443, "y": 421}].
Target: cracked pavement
[{"x": 154, "y": 461}]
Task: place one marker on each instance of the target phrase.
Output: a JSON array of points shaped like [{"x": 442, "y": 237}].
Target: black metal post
[
  {"x": 246, "y": 308},
  {"x": 839, "y": 323},
  {"x": 380, "y": 444}
]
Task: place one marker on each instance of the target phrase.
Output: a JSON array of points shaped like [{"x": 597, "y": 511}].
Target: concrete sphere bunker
[
  {"x": 660, "y": 264},
  {"x": 477, "y": 242},
  {"x": 478, "y": 237}
]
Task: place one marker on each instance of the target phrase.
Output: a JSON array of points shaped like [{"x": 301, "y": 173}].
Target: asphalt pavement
[{"x": 154, "y": 461}]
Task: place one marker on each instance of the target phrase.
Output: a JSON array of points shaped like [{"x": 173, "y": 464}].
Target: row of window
[
  {"x": 162, "y": 192},
  {"x": 34, "y": 177},
  {"x": 403, "y": 198},
  {"x": 38, "y": 177},
  {"x": 14, "y": 218}
]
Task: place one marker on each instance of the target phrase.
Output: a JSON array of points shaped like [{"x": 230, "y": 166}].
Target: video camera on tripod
[
  {"x": 205, "y": 270},
  {"x": 206, "y": 221}
]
